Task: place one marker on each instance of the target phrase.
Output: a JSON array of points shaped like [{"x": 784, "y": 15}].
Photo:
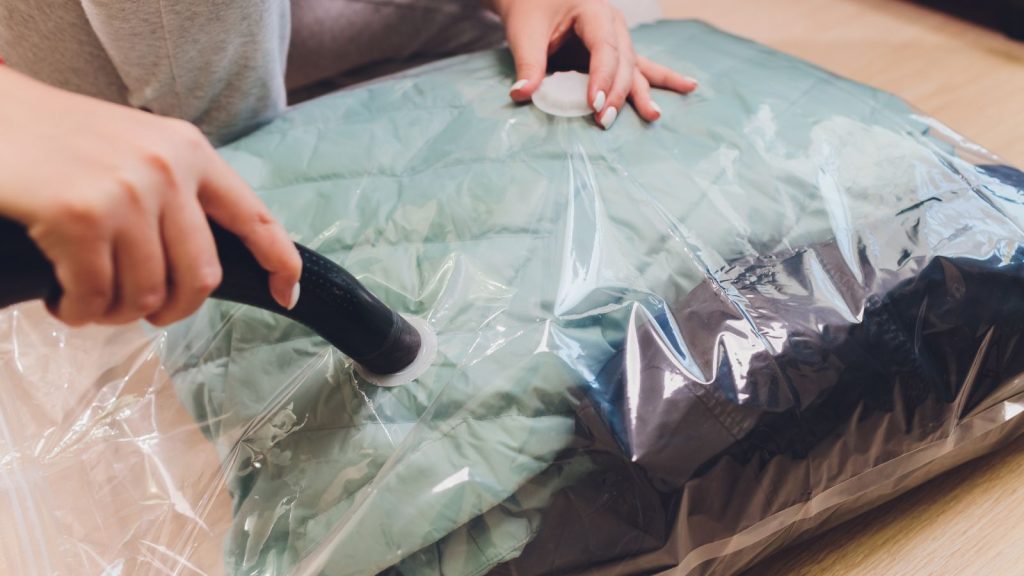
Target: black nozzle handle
[{"x": 333, "y": 303}]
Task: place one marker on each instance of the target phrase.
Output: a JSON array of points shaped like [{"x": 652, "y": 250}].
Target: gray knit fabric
[{"x": 221, "y": 64}]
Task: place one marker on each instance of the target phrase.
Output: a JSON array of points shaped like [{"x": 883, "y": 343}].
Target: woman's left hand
[{"x": 537, "y": 28}]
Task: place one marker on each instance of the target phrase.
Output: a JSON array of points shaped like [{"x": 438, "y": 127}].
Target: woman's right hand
[{"x": 118, "y": 199}]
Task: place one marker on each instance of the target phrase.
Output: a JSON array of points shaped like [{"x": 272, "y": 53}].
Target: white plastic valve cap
[{"x": 564, "y": 94}]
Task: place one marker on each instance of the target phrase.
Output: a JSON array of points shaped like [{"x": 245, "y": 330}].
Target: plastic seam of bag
[{"x": 782, "y": 519}]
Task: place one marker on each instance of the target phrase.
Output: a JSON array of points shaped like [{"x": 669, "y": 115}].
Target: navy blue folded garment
[{"x": 870, "y": 365}]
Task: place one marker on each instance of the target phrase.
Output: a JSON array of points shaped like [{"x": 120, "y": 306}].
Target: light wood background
[{"x": 970, "y": 521}]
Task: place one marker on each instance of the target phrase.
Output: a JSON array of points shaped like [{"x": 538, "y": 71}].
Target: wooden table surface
[{"x": 970, "y": 521}]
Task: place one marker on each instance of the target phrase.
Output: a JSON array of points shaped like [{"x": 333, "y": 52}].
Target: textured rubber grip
[{"x": 333, "y": 303}]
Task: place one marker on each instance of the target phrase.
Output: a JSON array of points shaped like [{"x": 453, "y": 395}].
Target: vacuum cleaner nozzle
[{"x": 333, "y": 303}]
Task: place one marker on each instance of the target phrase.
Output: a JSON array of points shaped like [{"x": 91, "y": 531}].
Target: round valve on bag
[{"x": 564, "y": 94}]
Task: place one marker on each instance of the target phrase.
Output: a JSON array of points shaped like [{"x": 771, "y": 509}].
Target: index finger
[{"x": 231, "y": 203}]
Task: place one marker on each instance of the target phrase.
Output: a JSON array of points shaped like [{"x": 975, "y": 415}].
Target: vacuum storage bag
[{"x": 666, "y": 348}]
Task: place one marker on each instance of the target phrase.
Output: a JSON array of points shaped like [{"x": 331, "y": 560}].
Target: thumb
[{"x": 528, "y": 38}]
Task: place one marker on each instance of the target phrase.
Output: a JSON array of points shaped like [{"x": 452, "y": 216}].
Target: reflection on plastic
[{"x": 667, "y": 348}]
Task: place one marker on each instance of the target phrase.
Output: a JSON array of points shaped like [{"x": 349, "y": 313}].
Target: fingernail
[
  {"x": 296, "y": 291},
  {"x": 691, "y": 79},
  {"x": 519, "y": 85},
  {"x": 656, "y": 107},
  {"x": 609, "y": 116},
  {"x": 599, "y": 100}
]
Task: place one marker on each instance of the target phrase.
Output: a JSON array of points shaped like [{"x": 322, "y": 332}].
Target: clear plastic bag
[{"x": 666, "y": 348}]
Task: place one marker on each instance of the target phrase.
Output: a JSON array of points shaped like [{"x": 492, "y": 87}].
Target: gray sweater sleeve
[{"x": 217, "y": 63}]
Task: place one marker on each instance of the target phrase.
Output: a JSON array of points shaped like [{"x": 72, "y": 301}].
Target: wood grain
[
  {"x": 969, "y": 77},
  {"x": 968, "y": 521}
]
